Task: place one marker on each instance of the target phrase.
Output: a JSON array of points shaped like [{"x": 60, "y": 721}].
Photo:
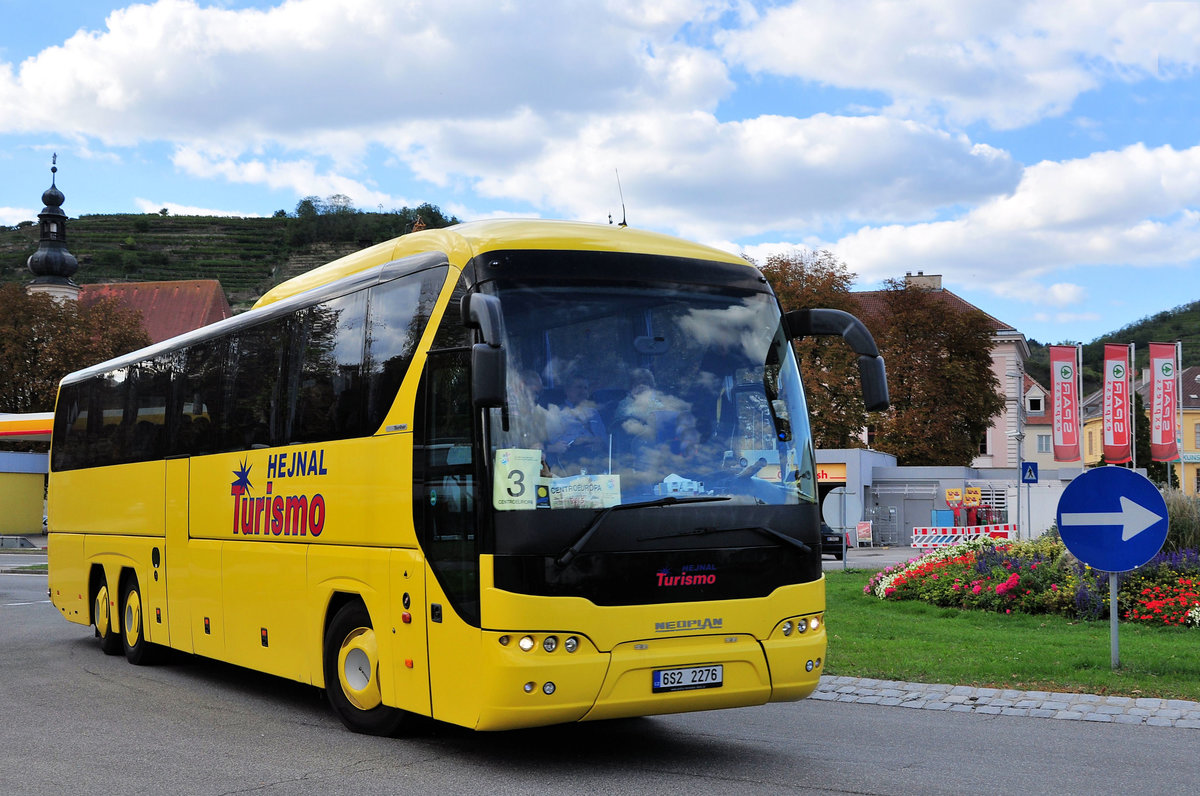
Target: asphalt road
[{"x": 77, "y": 721}]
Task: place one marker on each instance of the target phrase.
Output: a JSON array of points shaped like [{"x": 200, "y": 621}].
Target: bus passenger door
[{"x": 444, "y": 504}]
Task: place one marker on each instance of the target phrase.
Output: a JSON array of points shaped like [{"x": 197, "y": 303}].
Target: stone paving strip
[{"x": 1005, "y": 702}]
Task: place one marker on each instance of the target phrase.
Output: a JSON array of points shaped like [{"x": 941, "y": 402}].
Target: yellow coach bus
[{"x": 504, "y": 474}]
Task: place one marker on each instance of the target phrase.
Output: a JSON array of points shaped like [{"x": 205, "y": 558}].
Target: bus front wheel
[
  {"x": 110, "y": 636},
  {"x": 351, "y": 663},
  {"x": 138, "y": 650}
]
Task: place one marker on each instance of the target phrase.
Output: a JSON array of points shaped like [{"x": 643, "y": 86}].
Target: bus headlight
[
  {"x": 571, "y": 644},
  {"x": 526, "y": 643},
  {"x": 814, "y": 623},
  {"x": 550, "y": 643},
  {"x": 787, "y": 628},
  {"x": 801, "y": 625}
]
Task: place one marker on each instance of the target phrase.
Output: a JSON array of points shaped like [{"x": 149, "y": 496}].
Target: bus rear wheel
[
  {"x": 138, "y": 650},
  {"x": 351, "y": 664},
  {"x": 110, "y": 636}
]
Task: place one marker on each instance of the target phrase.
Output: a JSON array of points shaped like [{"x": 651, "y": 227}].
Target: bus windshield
[{"x": 620, "y": 395}]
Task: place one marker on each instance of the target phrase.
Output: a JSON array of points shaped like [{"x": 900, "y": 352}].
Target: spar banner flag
[
  {"x": 1064, "y": 389},
  {"x": 1116, "y": 404},
  {"x": 1163, "y": 383}
]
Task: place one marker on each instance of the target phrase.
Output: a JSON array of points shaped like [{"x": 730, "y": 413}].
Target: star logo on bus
[{"x": 242, "y": 484}]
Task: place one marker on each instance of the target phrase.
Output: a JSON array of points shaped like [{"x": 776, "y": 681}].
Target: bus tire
[
  {"x": 108, "y": 633},
  {"x": 351, "y": 664},
  {"x": 138, "y": 650}
]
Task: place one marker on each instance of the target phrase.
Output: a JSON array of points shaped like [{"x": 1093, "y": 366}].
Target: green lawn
[{"x": 915, "y": 641}]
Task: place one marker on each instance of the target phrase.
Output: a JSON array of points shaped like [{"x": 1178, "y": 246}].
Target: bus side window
[
  {"x": 324, "y": 371},
  {"x": 251, "y": 386},
  {"x": 399, "y": 312},
  {"x": 203, "y": 375}
]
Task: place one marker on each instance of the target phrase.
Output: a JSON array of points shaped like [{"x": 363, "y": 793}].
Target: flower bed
[{"x": 1040, "y": 576}]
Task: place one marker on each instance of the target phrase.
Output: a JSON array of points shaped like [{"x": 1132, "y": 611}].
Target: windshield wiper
[
  {"x": 783, "y": 537},
  {"x": 569, "y": 554}
]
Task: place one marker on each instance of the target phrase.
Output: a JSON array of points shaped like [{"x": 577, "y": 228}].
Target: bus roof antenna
[{"x": 622, "y": 194}]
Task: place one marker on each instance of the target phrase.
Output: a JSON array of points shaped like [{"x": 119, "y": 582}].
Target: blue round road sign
[{"x": 1112, "y": 518}]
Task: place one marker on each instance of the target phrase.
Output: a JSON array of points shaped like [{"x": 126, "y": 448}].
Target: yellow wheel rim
[
  {"x": 358, "y": 668},
  {"x": 133, "y": 617},
  {"x": 101, "y": 612}
]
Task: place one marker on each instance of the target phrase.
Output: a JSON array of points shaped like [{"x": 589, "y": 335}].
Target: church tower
[{"x": 52, "y": 265}]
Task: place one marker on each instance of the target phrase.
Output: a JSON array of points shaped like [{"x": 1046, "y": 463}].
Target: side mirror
[
  {"x": 804, "y": 323},
  {"x": 489, "y": 376},
  {"x": 489, "y": 364},
  {"x": 482, "y": 312}
]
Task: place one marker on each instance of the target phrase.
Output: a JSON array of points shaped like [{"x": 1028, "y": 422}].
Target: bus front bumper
[{"x": 534, "y": 686}]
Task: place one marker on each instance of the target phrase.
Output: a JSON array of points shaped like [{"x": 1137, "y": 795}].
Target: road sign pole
[
  {"x": 1113, "y": 614},
  {"x": 1113, "y": 520},
  {"x": 845, "y": 563}
]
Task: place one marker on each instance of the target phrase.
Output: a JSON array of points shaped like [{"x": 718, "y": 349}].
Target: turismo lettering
[
  {"x": 276, "y": 514},
  {"x": 690, "y": 575}
]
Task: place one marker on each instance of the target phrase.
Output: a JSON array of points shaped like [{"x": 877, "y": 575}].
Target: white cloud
[
  {"x": 1063, "y": 294},
  {"x": 1007, "y": 63},
  {"x": 175, "y": 209},
  {"x": 11, "y": 216},
  {"x": 173, "y": 68},
  {"x": 1131, "y": 207},
  {"x": 742, "y": 178},
  {"x": 299, "y": 176}
]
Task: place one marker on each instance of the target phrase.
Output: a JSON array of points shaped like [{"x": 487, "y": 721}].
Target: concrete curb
[{"x": 1152, "y": 711}]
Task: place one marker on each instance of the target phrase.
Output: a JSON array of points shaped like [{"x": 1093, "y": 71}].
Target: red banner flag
[
  {"x": 1163, "y": 381},
  {"x": 1065, "y": 393},
  {"x": 1116, "y": 404}
]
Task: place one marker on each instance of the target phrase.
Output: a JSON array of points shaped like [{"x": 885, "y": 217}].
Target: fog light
[
  {"x": 571, "y": 644},
  {"x": 808, "y": 667},
  {"x": 550, "y": 643},
  {"x": 787, "y": 628},
  {"x": 504, "y": 640},
  {"x": 526, "y": 643},
  {"x": 818, "y": 661},
  {"x": 529, "y": 687},
  {"x": 548, "y": 689}
]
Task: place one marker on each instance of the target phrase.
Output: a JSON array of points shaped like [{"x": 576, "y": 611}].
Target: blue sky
[{"x": 1044, "y": 157}]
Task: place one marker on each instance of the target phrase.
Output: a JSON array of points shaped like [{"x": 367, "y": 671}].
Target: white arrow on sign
[{"x": 1133, "y": 518}]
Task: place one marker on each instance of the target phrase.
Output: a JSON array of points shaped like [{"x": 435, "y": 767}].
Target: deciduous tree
[
  {"x": 943, "y": 391},
  {"x": 805, "y": 279},
  {"x": 42, "y": 340}
]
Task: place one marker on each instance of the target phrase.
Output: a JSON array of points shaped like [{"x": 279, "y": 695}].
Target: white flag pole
[
  {"x": 1132, "y": 404},
  {"x": 1079, "y": 401}
]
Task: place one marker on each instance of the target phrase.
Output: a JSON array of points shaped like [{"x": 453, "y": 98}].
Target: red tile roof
[{"x": 168, "y": 308}]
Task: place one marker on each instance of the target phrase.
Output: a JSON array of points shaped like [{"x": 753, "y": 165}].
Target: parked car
[{"x": 832, "y": 542}]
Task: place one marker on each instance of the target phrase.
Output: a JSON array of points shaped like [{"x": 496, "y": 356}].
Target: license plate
[{"x": 688, "y": 678}]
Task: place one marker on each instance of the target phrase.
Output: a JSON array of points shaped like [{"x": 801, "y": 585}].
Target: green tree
[
  {"x": 943, "y": 391},
  {"x": 42, "y": 340},
  {"x": 805, "y": 279}
]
